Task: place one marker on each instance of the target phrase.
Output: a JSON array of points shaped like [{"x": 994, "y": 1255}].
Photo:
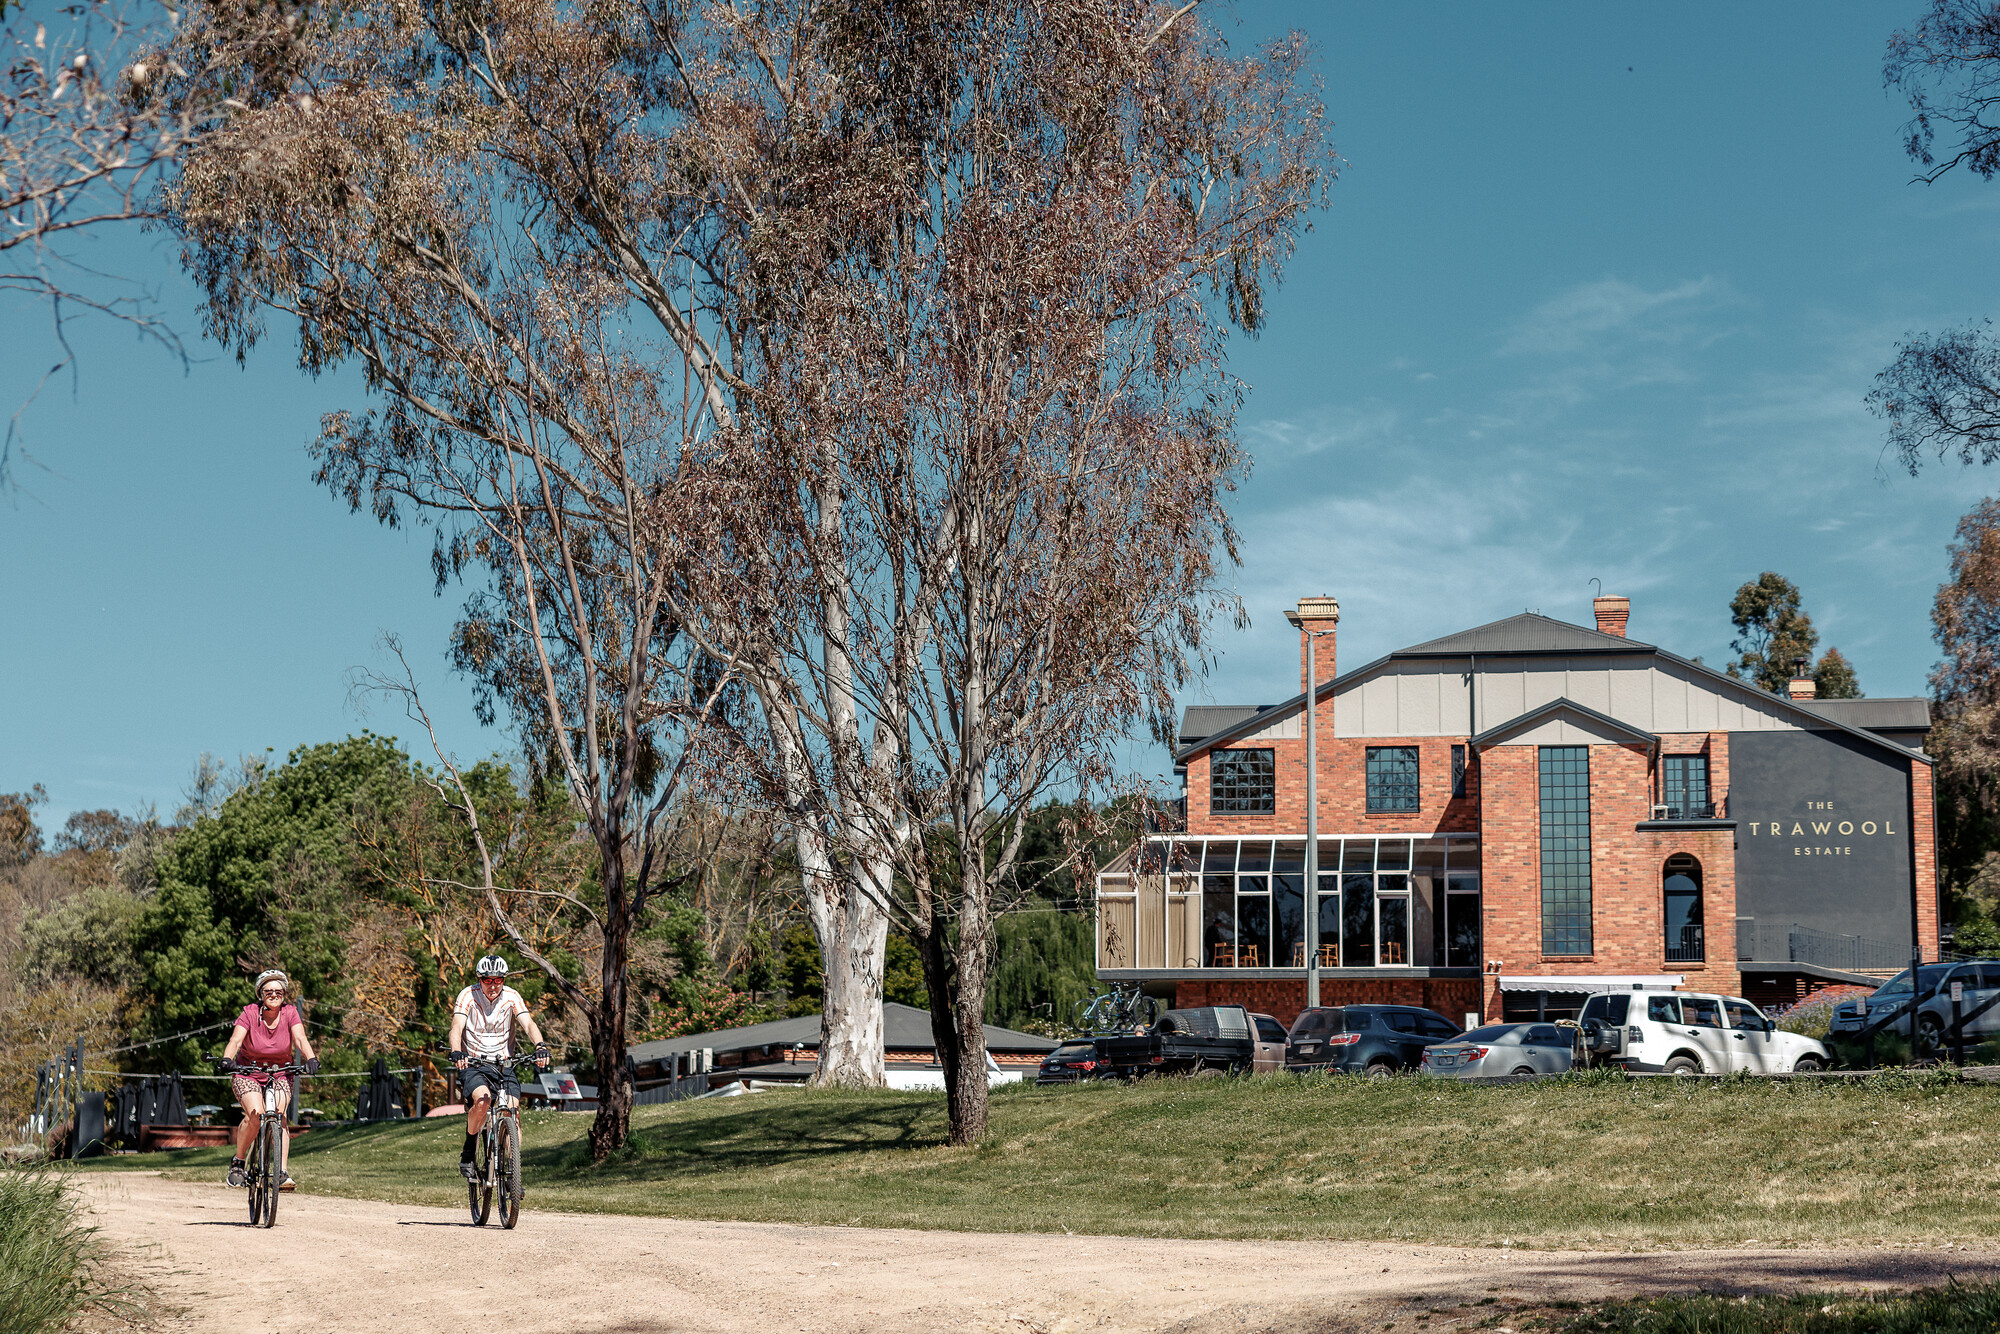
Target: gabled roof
[
  {"x": 1601, "y": 722},
  {"x": 1529, "y": 633},
  {"x": 1532, "y": 633},
  {"x": 904, "y": 1028}
]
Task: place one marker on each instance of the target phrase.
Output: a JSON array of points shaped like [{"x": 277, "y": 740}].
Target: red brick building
[{"x": 1514, "y": 816}]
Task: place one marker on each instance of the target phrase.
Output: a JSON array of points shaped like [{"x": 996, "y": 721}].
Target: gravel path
[{"x": 335, "y": 1264}]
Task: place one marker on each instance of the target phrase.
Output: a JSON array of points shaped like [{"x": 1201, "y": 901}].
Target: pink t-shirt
[{"x": 271, "y": 1044}]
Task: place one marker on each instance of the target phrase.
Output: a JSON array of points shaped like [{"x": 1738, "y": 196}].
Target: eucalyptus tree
[
  {"x": 974, "y": 494},
  {"x": 482, "y": 207}
]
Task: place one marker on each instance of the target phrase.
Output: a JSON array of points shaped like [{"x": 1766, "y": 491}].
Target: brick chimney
[
  {"x": 1316, "y": 619},
  {"x": 1612, "y": 613},
  {"x": 1801, "y": 686}
]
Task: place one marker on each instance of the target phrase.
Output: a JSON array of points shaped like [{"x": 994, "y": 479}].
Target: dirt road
[{"x": 334, "y": 1264}]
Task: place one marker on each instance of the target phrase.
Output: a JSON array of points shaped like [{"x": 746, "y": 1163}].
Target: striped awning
[{"x": 1608, "y": 982}]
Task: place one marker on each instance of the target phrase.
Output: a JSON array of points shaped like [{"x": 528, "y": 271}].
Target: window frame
[
  {"x": 1377, "y": 799},
  {"x": 1240, "y": 798},
  {"x": 1568, "y": 903}
]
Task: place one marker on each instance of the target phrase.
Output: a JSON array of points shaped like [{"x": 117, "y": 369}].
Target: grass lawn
[{"x": 1595, "y": 1160}]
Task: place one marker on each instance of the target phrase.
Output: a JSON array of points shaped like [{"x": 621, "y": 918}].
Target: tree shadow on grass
[{"x": 749, "y": 1138}]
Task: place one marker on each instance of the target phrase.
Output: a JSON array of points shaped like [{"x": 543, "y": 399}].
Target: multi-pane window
[
  {"x": 1242, "y": 782},
  {"x": 1380, "y": 902},
  {"x": 1682, "y": 892},
  {"x": 1684, "y": 787},
  {"x": 1392, "y": 778},
  {"x": 1565, "y": 775}
]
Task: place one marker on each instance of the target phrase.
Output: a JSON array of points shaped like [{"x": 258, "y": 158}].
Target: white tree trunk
[{"x": 853, "y": 933}]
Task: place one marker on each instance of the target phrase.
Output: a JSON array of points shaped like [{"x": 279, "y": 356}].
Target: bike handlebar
[{"x": 228, "y": 1066}]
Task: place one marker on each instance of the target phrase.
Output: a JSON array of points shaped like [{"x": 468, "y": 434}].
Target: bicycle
[
  {"x": 1117, "y": 1011},
  {"x": 499, "y": 1151},
  {"x": 264, "y": 1168}
]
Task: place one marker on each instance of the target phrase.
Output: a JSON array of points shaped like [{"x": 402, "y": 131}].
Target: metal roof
[
  {"x": 1533, "y": 633},
  {"x": 904, "y": 1028},
  {"x": 1529, "y": 633},
  {"x": 1200, "y": 720},
  {"x": 1909, "y": 714}
]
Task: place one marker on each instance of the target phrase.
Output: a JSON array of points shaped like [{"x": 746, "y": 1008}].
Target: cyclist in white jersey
[{"x": 482, "y": 1025}]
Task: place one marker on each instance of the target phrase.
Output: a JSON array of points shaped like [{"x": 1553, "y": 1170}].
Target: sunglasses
[{"x": 274, "y": 991}]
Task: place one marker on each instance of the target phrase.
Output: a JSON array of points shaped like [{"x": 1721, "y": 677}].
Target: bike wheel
[
  {"x": 510, "y": 1172},
  {"x": 253, "y": 1171},
  {"x": 271, "y": 1149},
  {"x": 481, "y": 1190}
]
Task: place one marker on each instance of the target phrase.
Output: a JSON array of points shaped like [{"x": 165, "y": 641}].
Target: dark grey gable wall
[{"x": 1822, "y": 833}]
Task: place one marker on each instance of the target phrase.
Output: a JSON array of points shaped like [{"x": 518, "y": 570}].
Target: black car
[
  {"x": 1364, "y": 1039},
  {"x": 1072, "y": 1062}
]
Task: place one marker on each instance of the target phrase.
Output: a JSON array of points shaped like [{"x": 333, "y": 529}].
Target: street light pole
[{"x": 1312, "y": 809}]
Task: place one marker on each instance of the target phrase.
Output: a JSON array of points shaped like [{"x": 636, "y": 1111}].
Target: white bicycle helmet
[
  {"x": 492, "y": 966},
  {"x": 271, "y": 975}
]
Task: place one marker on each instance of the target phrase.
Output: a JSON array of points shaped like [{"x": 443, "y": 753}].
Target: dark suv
[{"x": 1364, "y": 1039}]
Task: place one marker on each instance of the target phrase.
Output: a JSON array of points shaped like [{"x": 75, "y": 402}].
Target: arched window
[{"x": 1681, "y": 881}]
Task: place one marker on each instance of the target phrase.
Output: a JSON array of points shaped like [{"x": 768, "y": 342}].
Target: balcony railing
[
  {"x": 1688, "y": 948},
  {"x": 1686, "y": 810},
  {"x": 1761, "y": 943}
]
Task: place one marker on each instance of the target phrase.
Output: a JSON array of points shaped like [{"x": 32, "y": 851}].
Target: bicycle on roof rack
[{"x": 1123, "y": 1009}]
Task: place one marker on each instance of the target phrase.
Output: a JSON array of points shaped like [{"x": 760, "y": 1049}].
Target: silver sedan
[{"x": 1503, "y": 1049}]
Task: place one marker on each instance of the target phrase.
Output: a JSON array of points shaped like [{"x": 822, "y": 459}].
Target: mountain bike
[
  {"x": 1120, "y": 1010},
  {"x": 264, "y": 1168},
  {"x": 498, "y": 1154}
]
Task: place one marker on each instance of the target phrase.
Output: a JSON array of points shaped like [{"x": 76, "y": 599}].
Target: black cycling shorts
[{"x": 480, "y": 1078}]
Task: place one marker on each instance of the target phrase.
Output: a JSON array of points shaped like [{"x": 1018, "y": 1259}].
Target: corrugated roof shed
[{"x": 904, "y": 1028}]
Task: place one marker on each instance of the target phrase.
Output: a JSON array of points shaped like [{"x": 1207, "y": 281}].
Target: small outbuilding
[{"x": 787, "y": 1050}]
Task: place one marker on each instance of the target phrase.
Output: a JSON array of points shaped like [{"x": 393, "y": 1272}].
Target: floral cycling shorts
[{"x": 253, "y": 1085}]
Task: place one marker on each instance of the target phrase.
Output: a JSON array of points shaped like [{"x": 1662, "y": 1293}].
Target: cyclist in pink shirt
[{"x": 268, "y": 1032}]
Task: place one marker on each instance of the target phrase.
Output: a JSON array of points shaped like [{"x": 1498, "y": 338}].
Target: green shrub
[
  {"x": 1957, "y": 1309},
  {"x": 50, "y": 1266}
]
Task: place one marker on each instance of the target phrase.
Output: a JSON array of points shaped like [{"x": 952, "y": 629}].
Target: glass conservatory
[{"x": 1202, "y": 904}]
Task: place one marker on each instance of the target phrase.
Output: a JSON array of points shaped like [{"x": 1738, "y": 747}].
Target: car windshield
[
  {"x": 1073, "y": 1051},
  {"x": 1490, "y": 1033},
  {"x": 1899, "y": 985}
]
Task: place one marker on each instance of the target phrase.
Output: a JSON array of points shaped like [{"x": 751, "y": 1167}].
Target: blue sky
[{"x": 1599, "y": 294}]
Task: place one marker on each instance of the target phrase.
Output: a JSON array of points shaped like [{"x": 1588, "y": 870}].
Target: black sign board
[{"x": 1822, "y": 833}]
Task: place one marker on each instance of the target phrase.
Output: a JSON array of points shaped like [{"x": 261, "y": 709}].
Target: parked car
[
  {"x": 1503, "y": 1049},
  {"x": 1978, "y": 980},
  {"x": 1072, "y": 1063},
  {"x": 1852, "y": 1016},
  {"x": 1209, "y": 1038},
  {"x": 1686, "y": 1033},
  {"x": 1364, "y": 1039}
]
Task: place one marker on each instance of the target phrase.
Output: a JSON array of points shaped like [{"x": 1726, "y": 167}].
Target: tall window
[
  {"x": 1242, "y": 782},
  {"x": 1392, "y": 778},
  {"x": 1684, "y": 787},
  {"x": 1565, "y": 849},
  {"x": 1682, "y": 885},
  {"x": 1458, "y": 771}
]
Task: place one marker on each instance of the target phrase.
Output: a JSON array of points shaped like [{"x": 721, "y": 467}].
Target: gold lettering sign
[{"x": 1820, "y": 829}]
